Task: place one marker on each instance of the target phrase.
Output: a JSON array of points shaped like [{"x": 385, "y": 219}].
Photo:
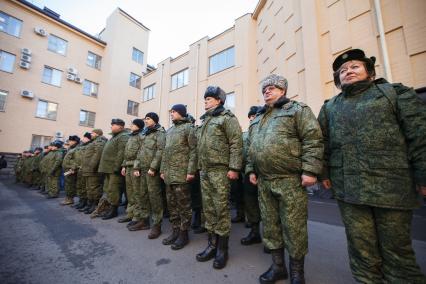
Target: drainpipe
[
  {"x": 160, "y": 90},
  {"x": 196, "y": 82},
  {"x": 383, "y": 45}
]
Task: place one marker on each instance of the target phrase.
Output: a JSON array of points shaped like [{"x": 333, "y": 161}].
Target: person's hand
[
  {"x": 253, "y": 179},
  {"x": 190, "y": 178},
  {"x": 151, "y": 173},
  {"x": 162, "y": 176},
  {"x": 422, "y": 190},
  {"x": 308, "y": 180},
  {"x": 232, "y": 175},
  {"x": 326, "y": 183},
  {"x": 136, "y": 173},
  {"x": 123, "y": 171}
]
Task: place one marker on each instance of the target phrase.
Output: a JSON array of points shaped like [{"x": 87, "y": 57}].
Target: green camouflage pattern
[
  {"x": 37, "y": 177},
  {"x": 379, "y": 244},
  {"x": 284, "y": 209},
  {"x": 91, "y": 156},
  {"x": 179, "y": 205},
  {"x": 180, "y": 152},
  {"x": 70, "y": 163},
  {"x": 81, "y": 181},
  {"x": 27, "y": 172},
  {"x": 113, "y": 153},
  {"x": 18, "y": 169},
  {"x": 93, "y": 187},
  {"x": 152, "y": 143},
  {"x": 113, "y": 185},
  {"x": 375, "y": 138}
]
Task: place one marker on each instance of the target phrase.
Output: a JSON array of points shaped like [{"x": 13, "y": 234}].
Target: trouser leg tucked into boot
[
  {"x": 87, "y": 206},
  {"x": 181, "y": 241},
  {"x": 253, "y": 237},
  {"x": 113, "y": 212},
  {"x": 155, "y": 232},
  {"x": 297, "y": 273},
  {"x": 277, "y": 271},
  {"x": 139, "y": 225},
  {"x": 92, "y": 207},
  {"x": 210, "y": 250},
  {"x": 172, "y": 237},
  {"x": 221, "y": 253}
]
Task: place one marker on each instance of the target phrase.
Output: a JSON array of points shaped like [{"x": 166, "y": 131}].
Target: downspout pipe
[{"x": 383, "y": 45}]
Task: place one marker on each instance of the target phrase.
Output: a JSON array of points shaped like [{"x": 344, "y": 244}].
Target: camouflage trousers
[
  {"x": 132, "y": 188},
  {"x": 70, "y": 185},
  {"x": 81, "y": 186},
  {"x": 251, "y": 201},
  {"x": 53, "y": 185},
  {"x": 37, "y": 179},
  {"x": 113, "y": 186},
  {"x": 284, "y": 210},
  {"x": 150, "y": 201},
  {"x": 93, "y": 187},
  {"x": 215, "y": 189},
  {"x": 179, "y": 204},
  {"x": 379, "y": 244}
]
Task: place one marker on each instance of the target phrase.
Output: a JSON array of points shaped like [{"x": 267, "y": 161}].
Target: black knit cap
[
  {"x": 74, "y": 138},
  {"x": 87, "y": 135},
  {"x": 117, "y": 121},
  {"x": 253, "y": 110},
  {"x": 153, "y": 116},
  {"x": 139, "y": 123},
  {"x": 179, "y": 108}
]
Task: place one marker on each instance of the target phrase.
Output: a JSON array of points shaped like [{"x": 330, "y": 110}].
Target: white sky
[{"x": 174, "y": 24}]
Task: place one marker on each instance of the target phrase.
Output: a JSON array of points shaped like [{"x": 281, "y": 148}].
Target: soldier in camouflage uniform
[
  {"x": 110, "y": 166},
  {"x": 70, "y": 168},
  {"x": 220, "y": 146},
  {"x": 18, "y": 167},
  {"x": 285, "y": 155},
  {"x": 81, "y": 181},
  {"x": 54, "y": 169},
  {"x": 178, "y": 168},
  {"x": 375, "y": 156},
  {"x": 90, "y": 160},
  {"x": 35, "y": 167},
  {"x": 147, "y": 166},
  {"x": 43, "y": 169},
  {"x": 27, "y": 168},
  {"x": 132, "y": 181},
  {"x": 251, "y": 202}
]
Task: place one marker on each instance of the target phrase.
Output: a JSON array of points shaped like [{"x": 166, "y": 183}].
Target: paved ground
[{"x": 43, "y": 242}]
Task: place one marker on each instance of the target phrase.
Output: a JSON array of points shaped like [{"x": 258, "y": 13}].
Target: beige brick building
[{"x": 296, "y": 38}]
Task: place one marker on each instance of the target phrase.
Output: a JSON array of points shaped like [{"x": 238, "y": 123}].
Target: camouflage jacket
[
  {"x": 92, "y": 155},
  {"x": 54, "y": 165},
  {"x": 69, "y": 162},
  {"x": 180, "y": 153},
  {"x": 27, "y": 165},
  {"x": 45, "y": 160},
  {"x": 78, "y": 155},
  {"x": 18, "y": 165},
  {"x": 285, "y": 141},
  {"x": 36, "y": 162},
  {"x": 375, "y": 144},
  {"x": 152, "y": 142},
  {"x": 219, "y": 139},
  {"x": 132, "y": 149},
  {"x": 113, "y": 153}
]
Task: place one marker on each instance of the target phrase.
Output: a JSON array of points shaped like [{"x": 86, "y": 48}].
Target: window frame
[
  {"x": 147, "y": 97},
  {"x": 232, "y": 109},
  {"x": 91, "y": 93},
  {"x": 137, "y": 86},
  {"x": 134, "y": 104},
  {"x": 136, "y": 51},
  {"x": 51, "y": 83},
  {"x": 6, "y": 94},
  {"x": 13, "y": 63},
  {"x": 42, "y": 140},
  {"x": 57, "y": 39},
  {"x": 47, "y": 110},
  {"x": 216, "y": 56},
  {"x": 176, "y": 75},
  {"x": 6, "y": 21},
  {"x": 95, "y": 66},
  {"x": 88, "y": 112}
]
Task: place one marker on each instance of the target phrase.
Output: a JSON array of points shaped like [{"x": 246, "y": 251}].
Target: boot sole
[{"x": 280, "y": 277}]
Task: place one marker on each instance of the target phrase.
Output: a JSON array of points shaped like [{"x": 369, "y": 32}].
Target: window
[
  {"x": 40, "y": 141},
  {"x": 132, "y": 108},
  {"x": 57, "y": 45},
  {"x": 180, "y": 79},
  {"x": 52, "y": 76},
  {"x": 87, "y": 118},
  {"x": 149, "y": 93},
  {"x": 94, "y": 60},
  {"x": 137, "y": 56},
  {"x": 135, "y": 80},
  {"x": 90, "y": 88},
  {"x": 3, "y": 96},
  {"x": 222, "y": 60},
  {"x": 47, "y": 110},
  {"x": 230, "y": 101},
  {"x": 7, "y": 61},
  {"x": 10, "y": 25}
]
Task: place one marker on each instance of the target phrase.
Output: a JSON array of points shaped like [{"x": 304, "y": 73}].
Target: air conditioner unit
[
  {"x": 72, "y": 71},
  {"x": 24, "y": 65},
  {"x": 59, "y": 134},
  {"x": 26, "y": 51},
  {"x": 71, "y": 77},
  {"x": 78, "y": 80},
  {"x": 26, "y": 58},
  {"x": 40, "y": 31},
  {"x": 27, "y": 94}
]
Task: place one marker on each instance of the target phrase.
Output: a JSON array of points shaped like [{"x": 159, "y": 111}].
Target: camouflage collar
[
  {"x": 278, "y": 104},
  {"x": 147, "y": 131},
  {"x": 215, "y": 112}
]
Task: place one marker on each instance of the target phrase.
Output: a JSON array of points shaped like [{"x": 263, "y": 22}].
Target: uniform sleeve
[
  {"x": 192, "y": 142},
  {"x": 249, "y": 162},
  {"x": 137, "y": 162},
  {"x": 311, "y": 139},
  {"x": 96, "y": 155},
  {"x": 322, "y": 119},
  {"x": 161, "y": 142},
  {"x": 121, "y": 146},
  {"x": 412, "y": 119},
  {"x": 57, "y": 163},
  {"x": 235, "y": 141}
]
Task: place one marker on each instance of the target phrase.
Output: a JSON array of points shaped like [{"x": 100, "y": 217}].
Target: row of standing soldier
[{"x": 368, "y": 142}]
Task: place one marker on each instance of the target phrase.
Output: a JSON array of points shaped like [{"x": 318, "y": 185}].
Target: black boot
[
  {"x": 196, "y": 219},
  {"x": 112, "y": 213},
  {"x": 92, "y": 208},
  {"x": 181, "y": 241},
  {"x": 210, "y": 250},
  {"x": 240, "y": 217},
  {"x": 87, "y": 207},
  {"x": 82, "y": 202},
  {"x": 297, "y": 273},
  {"x": 253, "y": 237},
  {"x": 221, "y": 253},
  {"x": 277, "y": 271},
  {"x": 171, "y": 238}
]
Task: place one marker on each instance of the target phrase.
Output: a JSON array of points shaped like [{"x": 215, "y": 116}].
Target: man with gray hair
[{"x": 285, "y": 151}]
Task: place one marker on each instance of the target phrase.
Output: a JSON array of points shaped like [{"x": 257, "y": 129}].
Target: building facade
[{"x": 298, "y": 39}]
